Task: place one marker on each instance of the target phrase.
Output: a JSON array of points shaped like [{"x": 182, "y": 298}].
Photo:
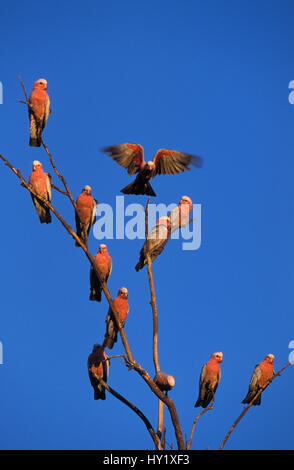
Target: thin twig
[
  {"x": 58, "y": 189},
  {"x": 24, "y": 90},
  {"x": 210, "y": 407},
  {"x": 153, "y": 296},
  {"x": 155, "y": 319},
  {"x": 68, "y": 193},
  {"x": 251, "y": 403}
]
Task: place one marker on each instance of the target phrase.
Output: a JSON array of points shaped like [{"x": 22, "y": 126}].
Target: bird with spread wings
[{"x": 165, "y": 162}]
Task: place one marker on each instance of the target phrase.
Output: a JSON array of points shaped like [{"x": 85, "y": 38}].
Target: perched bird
[
  {"x": 122, "y": 306},
  {"x": 165, "y": 382},
  {"x": 179, "y": 216},
  {"x": 85, "y": 214},
  {"x": 157, "y": 239},
  {"x": 39, "y": 110},
  {"x": 261, "y": 374},
  {"x": 40, "y": 182},
  {"x": 165, "y": 162},
  {"x": 209, "y": 380},
  {"x": 98, "y": 367},
  {"x": 104, "y": 263}
]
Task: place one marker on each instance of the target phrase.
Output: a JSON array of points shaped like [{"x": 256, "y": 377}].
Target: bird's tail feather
[
  {"x": 139, "y": 189},
  {"x": 99, "y": 394},
  {"x": 35, "y": 134},
  {"x": 141, "y": 263},
  {"x": 249, "y": 397},
  {"x": 95, "y": 295}
]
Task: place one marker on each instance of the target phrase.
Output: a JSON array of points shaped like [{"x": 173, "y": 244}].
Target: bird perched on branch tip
[
  {"x": 209, "y": 379},
  {"x": 39, "y": 110},
  {"x": 157, "y": 239},
  {"x": 263, "y": 372}
]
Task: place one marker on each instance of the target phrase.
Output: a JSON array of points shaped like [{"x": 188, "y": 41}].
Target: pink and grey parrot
[
  {"x": 104, "y": 263},
  {"x": 180, "y": 215},
  {"x": 98, "y": 367},
  {"x": 261, "y": 374},
  {"x": 165, "y": 382},
  {"x": 122, "y": 306},
  {"x": 157, "y": 237},
  {"x": 40, "y": 182},
  {"x": 85, "y": 214},
  {"x": 209, "y": 379},
  {"x": 39, "y": 110},
  {"x": 165, "y": 162}
]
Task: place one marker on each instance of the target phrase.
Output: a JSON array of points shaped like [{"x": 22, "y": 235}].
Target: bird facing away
[
  {"x": 85, "y": 214},
  {"x": 261, "y": 374},
  {"x": 122, "y": 306},
  {"x": 104, "y": 263},
  {"x": 179, "y": 216},
  {"x": 157, "y": 239},
  {"x": 39, "y": 110},
  {"x": 40, "y": 182},
  {"x": 209, "y": 379},
  {"x": 165, "y": 162},
  {"x": 98, "y": 367},
  {"x": 165, "y": 382}
]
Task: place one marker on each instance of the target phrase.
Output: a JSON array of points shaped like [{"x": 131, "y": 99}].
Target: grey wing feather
[
  {"x": 93, "y": 215},
  {"x": 47, "y": 112},
  {"x": 48, "y": 186},
  {"x": 109, "y": 272},
  {"x": 255, "y": 378},
  {"x": 202, "y": 375}
]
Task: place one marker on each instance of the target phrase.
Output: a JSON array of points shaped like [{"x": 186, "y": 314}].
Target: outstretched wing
[
  {"x": 130, "y": 156},
  {"x": 171, "y": 162}
]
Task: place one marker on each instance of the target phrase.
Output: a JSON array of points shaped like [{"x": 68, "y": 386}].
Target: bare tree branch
[
  {"x": 251, "y": 403},
  {"x": 136, "y": 410},
  {"x": 155, "y": 319},
  {"x": 131, "y": 360},
  {"x": 59, "y": 190},
  {"x": 210, "y": 407},
  {"x": 68, "y": 193}
]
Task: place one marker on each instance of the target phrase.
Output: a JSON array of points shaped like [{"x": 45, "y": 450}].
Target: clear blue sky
[{"x": 209, "y": 78}]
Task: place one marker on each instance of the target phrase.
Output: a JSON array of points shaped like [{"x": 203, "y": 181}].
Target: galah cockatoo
[
  {"x": 98, "y": 366},
  {"x": 165, "y": 162},
  {"x": 165, "y": 382},
  {"x": 180, "y": 215},
  {"x": 261, "y": 374},
  {"x": 85, "y": 214},
  {"x": 122, "y": 306},
  {"x": 157, "y": 238},
  {"x": 209, "y": 380},
  {"x": 39, "y": 110},
  {"x": 104, "y": 263},
  {"x": 40, "y": 182}
]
